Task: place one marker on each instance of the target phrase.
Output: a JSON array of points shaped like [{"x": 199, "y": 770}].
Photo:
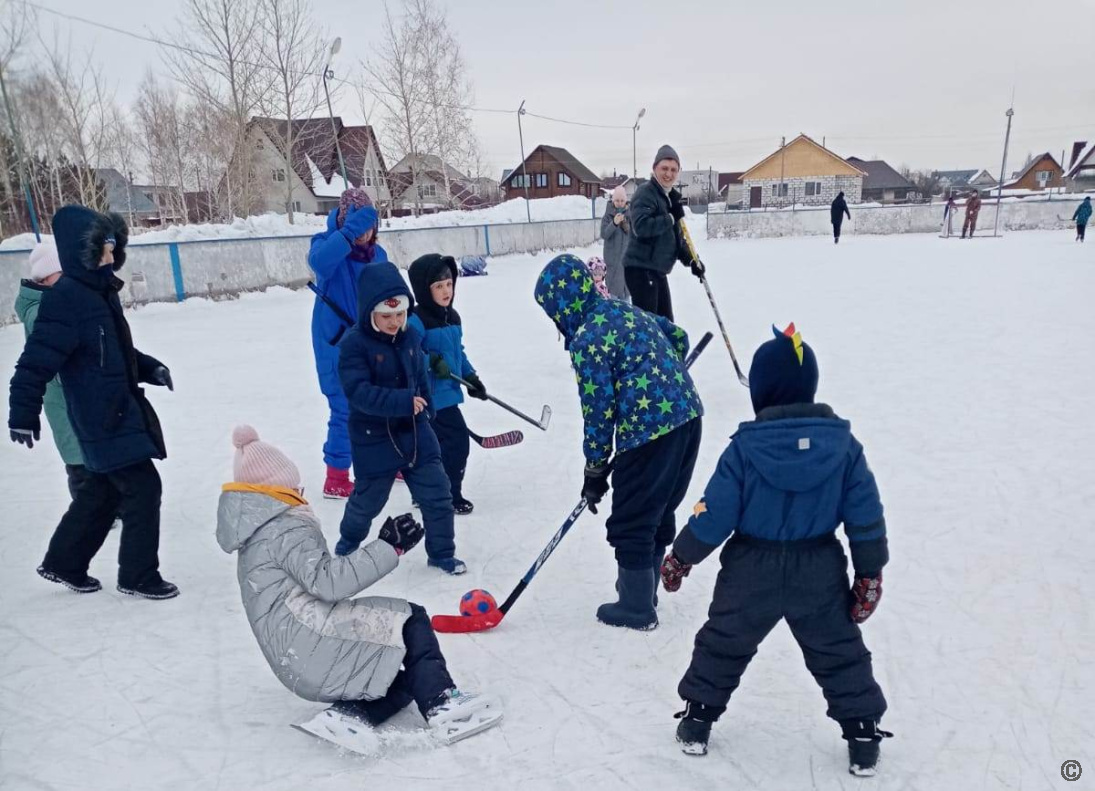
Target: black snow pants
[{"x": 649, "y": 291}]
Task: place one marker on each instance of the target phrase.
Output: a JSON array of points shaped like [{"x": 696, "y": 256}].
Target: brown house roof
[
  {"x": 726, "y": 179},
  {"x": 803, "y": 140},
  {"x": 564, "y": 158},
  {"x": 1038, "y": 160}
]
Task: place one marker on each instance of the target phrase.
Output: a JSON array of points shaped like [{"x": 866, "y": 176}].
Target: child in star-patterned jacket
[{"x": 635, "y": 389}]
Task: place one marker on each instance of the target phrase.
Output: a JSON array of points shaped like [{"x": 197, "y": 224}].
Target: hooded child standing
[
  {"x": 433, "y": 279},
  {"x": 371, "y": 656},
  {"x": 81, "y": 334},
  {"x": 1081, "y": 217},
  {"x": 636, "y": 393},
  {"x": 338, "y": 256},
  {"x": 383, "y": 372},
  {"x": 779, "y": 492}
]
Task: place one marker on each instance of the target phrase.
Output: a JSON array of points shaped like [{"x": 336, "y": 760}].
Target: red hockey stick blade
[{"x": 462, "y": 624}]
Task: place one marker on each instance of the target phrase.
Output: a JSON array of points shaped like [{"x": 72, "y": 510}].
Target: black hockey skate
[{"x": 864, "y": 740}]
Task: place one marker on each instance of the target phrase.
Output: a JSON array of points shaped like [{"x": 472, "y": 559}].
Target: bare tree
[
  {"x": 397, "y": 82},
  {"x": 166, "y": 137},
  {"x": 221, "y": 66},
  {"x": 14, "y": 18},
  {"x": 294, "y": 52},
  {"x": 447, "y": 88}
]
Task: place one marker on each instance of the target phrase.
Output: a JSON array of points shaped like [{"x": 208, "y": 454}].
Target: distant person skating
[
  {"x": 973, "y": 208},
  {"x": 1081, "y": 216},
  {"x": 337, "y": 256},
  {"x": 656, "y": 243},
  {"x": 837, "y": 211},
  {"x": 948, "y": 216},
  {"x": 616, "y": 232}
]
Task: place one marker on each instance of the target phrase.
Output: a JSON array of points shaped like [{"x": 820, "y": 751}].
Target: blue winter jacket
[
  {"x": 446, "y": 333},
  {"x": 81, "y": 333},
  {"x": 381, "y": 374},
  {"x": 336, "y": 278},
  {"x": 629, "y": 363},
  {"x": 794, "y": 473},
  {"x": 1083, "y": 212}
]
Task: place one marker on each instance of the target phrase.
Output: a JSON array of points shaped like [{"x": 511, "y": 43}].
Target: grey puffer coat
[
  {"x": 320, "y": 643},
  {"x": 615, "y": 238}
]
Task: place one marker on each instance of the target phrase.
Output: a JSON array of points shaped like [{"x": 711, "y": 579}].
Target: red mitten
[
  {"x": 867, "y": 592},
  {"x": 673, "y": 571}
]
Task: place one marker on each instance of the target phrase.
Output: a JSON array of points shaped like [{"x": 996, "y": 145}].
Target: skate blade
[
  {"x": 333, "y": 729},
  {"x": 456, "y": 731}
]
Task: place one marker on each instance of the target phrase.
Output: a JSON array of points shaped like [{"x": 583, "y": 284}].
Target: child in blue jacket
[
  {"x": 781, "y": 489},
  {"x": 433, "y": 279},
  {"x": 383, "y": 372}
]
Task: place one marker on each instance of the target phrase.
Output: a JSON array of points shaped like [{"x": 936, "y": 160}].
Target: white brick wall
[{"x": 851, "y": 186}]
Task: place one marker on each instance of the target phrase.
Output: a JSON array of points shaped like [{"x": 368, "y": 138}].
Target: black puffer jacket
[
  {"x": 655, "y": 241},
  {"x": 81, "y": 333}
]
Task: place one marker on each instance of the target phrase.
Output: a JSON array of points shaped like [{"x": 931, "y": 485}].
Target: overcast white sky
[{"x": 922, "y": 83}]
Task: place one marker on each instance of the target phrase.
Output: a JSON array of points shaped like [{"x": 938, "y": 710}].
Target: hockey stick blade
[
  {"x": 545, "y": 417},
  {"x": 466, "y": 624},
  {"x": 504, "y": 440}
]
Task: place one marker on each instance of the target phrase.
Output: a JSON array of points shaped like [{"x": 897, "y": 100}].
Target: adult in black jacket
[
  {"x": 837, "y": 210},
  {"x": 81, "y": 334},
  {"x": 656, "y": 242}
]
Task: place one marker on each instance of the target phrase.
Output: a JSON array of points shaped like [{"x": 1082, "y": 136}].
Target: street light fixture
[
  {"x": 634, "y": 148},
  {"x": 336, "y": 45}
]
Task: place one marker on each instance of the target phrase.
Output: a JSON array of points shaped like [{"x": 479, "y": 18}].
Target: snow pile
[{"x": 948, "y": 357}]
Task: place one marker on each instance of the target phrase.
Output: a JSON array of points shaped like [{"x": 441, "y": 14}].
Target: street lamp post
[
  {"x": 524, "y": 171},
  {"x": 634, "y": 145},
  {"x": 336, "y": 45},
  {"x": 1003, "y": 170}
]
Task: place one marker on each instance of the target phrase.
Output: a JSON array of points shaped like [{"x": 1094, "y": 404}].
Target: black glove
[
  {"x": 676, "y": 208},
  {"x": 25, "y": 436},
  {"x": 595, "y": 486},
  {"x": 403, "y": 533},
  {"x": 162, "y": 376},
  {"x": 697, "y": 267},
  {"x": 359, "y": 221},
  {"x": 477, "y": 389},
  {"x": 439, "y": 367}
]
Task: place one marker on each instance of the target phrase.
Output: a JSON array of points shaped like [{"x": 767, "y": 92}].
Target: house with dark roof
[
  {"x": 1081, "y": 167},
  {"x": 424, "y": 182},
  {"x": 123, "y": 197},
  {"x": 805, "y": 172},
  {"x": 963, "y": 180},
  {"x": 1042, "y": 172},
  {"x": 731, "y": 189},
  {"x": 550, "y": 171},
  {"x": 883, "y": 184},
  {"x": 315, "y": 173}
]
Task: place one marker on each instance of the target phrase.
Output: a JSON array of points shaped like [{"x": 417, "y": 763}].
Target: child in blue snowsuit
[
  {"x": 636, "y": 391},
  {"x": 433, "y": 279},
  {"x": 338, "y": 256},
  {"x": 781, "y": 489},
  {"x": 383, "y": 372}
]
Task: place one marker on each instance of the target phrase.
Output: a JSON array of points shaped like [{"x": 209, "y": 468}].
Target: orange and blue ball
[{"x": 477, "y": 602}]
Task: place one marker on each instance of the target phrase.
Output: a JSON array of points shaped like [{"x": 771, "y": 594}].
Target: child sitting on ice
[
  {"x": 433, "y": 279},
  {"x": 599, "y": 270},
  {"x": 781, "y": 489},
  {"x": 321, "y": 643},
  {"x": 383, "y": 372}
]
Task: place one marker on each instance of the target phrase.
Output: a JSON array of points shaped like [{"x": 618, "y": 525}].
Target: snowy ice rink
[{"x": 966, "y": 370}]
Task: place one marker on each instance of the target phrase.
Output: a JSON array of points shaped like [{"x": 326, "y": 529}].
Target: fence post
[
  {"x": 486, "y": 237},
  {"x": 176, "y": 272}
]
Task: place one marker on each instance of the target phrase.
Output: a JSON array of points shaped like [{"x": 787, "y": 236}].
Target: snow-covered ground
[
  {"x": 965, "y": 368},
  {"x": 565, "y": 207}
]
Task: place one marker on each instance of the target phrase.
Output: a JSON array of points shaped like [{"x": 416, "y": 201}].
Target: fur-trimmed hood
[{"x": 80, "y": 234}]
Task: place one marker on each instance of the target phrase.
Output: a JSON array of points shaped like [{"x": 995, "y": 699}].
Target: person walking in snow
[
  {"x": 81, "y": 334},
  {"x": 338, "y": 256},
  {"x": 433, "y": 280},
  {"x": 838, "y": 210},
  {"x": 1081, "y": 216},
  {"x": 656, "y": 243},
  {"x": 616, "y": 232},
  {"x": 973, "y": 208},
  {"x": 781, "y": 488},
  {"x": 635, "y": 393},
  {"x": 383, "y": 371},
  {"x": 371, "y": 656}
]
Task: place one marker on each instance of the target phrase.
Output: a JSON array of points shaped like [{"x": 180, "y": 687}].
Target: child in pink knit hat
[
  {"x": 370, "y": 656},
  {"x": 599, "y": 270}
]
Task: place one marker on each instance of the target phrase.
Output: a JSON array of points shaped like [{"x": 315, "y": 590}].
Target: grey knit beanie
[{"x": 667, "y": 152}]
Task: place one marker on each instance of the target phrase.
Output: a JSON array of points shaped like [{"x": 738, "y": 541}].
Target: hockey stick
[
  {"x": 711, "y": 298},
  {"x": 504, "y": 440},
  {"x": 545, "y": 415},
  {"x": 463, "y": 624}
]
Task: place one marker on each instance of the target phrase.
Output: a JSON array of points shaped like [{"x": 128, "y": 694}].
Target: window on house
[
  {"x": 520, "y": 181},
  {"x": 813, "y": 188},
  {"x": 564, "y": 180},
  {"x": 780, "y": 190},
  {"x": 541, "y": 180},
  {"x": 368, "y": 177},
  {"x": 1043, "y": 177},
  {"x": 427, "y": 190},
  {"x": 296, "y": 205},
  {"x": 279, "y": 174}
]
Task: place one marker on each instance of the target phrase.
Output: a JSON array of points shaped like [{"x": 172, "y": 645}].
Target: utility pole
[
  {"x": 336, "y": 45},
  {"x": 1003, "y": 170},
  {"x": 782, "y": 157},
  {"x": 634, "y": 145},
  {"x": 524, "y": 171},
  {"x": 19, "y": 156}
]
